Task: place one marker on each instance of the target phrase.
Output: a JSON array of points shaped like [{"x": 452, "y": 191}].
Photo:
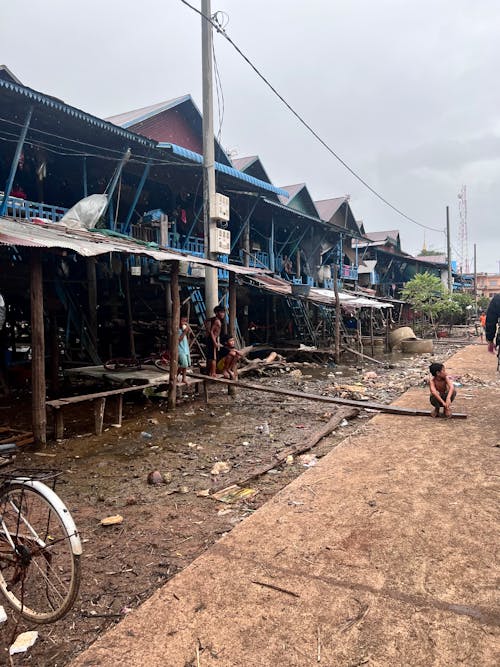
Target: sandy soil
[{"x": 167, "y": 526}]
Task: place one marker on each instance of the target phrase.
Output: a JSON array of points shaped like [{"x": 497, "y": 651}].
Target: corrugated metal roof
[
  {"x": 139, "y": 115},
  {"x": 328, "y": 207},
  {"x": 292, "y": 191},
  {"x": 52, "y": 103},
  {"x": 223, "y": 168},
  {"x": 382, "y": 236},
  {"x": 316, "y": 294},
  {"x": 94, "y": 243},
  {"x": 241, "y": 163}
]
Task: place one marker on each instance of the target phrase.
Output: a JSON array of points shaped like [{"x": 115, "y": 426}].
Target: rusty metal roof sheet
[
  {"x": 93, "y": 243},
  {"x": 316, "y": 294}
]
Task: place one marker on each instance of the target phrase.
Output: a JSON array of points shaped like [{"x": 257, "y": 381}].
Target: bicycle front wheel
[{"x": 39, "y": 552}]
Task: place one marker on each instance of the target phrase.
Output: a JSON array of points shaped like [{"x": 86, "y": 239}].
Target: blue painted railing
[
  {"x": 22, "y": 209},
  {"x": 349, "y": 272}
]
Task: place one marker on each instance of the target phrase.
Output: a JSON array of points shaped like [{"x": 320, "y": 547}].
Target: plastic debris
[
  {"x": 308, "y": 460},
  {"x": 23, "y": 642},
  {"x": 146, "y": 435},
  {"x": 203, "y": 493},
  {"x": 344, "y": 422},
  {"x": 289, "y": 460},
  {"x": 220, "y": 467},
  {"x": 3, "y": 615},
  {"x": 112, "y": 520},
  {"x": 233, "y": 493},
  {"x": 263, "y": 428}
]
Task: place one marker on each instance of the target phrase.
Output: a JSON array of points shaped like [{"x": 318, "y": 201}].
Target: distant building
[{"x": 488, "y": 284}]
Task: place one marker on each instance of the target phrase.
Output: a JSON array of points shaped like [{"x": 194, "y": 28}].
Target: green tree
[{"x": 426, "y": 293}]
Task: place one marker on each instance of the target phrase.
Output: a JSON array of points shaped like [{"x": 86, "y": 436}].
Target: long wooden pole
[
  {"x": 174, "y": 335},
  {"x": 381, "y": 407},
  {"x": 128, "y": 309},
  {"x": 232, "y": 304},
  {"x": 337, "y": 313},
  {"x": 39, "y": 413}
]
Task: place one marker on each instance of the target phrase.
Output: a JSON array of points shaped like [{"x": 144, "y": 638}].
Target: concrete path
[{"x": 382, "y": 554}]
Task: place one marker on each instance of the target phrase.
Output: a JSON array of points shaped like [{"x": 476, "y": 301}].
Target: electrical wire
[{"x": 222, "y": 32}]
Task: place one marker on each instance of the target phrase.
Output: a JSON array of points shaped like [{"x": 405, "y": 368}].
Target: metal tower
[{"x": 463, "y": 238}]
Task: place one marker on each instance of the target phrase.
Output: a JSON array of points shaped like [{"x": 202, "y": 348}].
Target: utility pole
[
  {"x": 475, "y": 278},
  {"x": 448, "y": 249},
  {"x": 211, "y": 282}
]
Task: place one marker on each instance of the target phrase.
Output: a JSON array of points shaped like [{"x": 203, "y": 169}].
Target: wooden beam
[
  {"x": 338, "y": 314},
  {"x": 174, "y": 335},
  {"x": 365, "y": 356},
  {"x": 38, "y": 385},
  {"x": 381, "y": 407}
]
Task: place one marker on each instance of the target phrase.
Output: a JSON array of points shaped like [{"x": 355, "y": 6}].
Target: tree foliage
[{"x": 426, "y": 293}]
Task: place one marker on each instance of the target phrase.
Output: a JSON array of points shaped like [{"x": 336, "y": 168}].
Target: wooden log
[
  {"x": 331, "y": 425},
  {"x": 99, "y": 407},
  {"x": 340, "y": 414},
  {"x": 38, "y": 385},
  {"x": 174, "y": 335},
  {"x": 365, "y": 356},
  {"x": 381, "y": 407}
]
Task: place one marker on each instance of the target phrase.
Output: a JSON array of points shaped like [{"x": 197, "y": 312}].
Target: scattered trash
[
  {"x": 263, "y": 428},
  {"x": 125, "y": 610},
  {"x": 23, "y": 642},
  {"x": 296, "y": 373},
  {"x": 155, "y": 477},
  {"x": 183, "y": 489},
  {"x": 203, "y": 493},
  {"x": 289, "y": 460},
  {"x": 146, "y": 435},
  {"x": 344, "y": 422},
  {"x": 224, "y": 511},
  {"x": 233, "y": 493},
  {"x": 153, "y": 421},
  {"x": 370, "y": 375},
  {"x": 308, "y": 460},
  {"x": 245, "y": 443},
  {"x": 220, "y": 467},
  {"x": 300, "y": 426},
  {"x": 3, "y": 615},
  {"x": 112, "y": 520}
]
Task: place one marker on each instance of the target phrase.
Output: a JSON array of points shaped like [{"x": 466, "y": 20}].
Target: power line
[{"x": 222, "y": 32}]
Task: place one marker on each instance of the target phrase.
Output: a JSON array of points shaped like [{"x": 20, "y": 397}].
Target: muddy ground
[{"x": 166, "y": 527}]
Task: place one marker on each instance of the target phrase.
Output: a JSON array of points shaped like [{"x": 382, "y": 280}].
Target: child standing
[
  {"x": 442, "y": 390},
  {"x": 184, "y": 361}
]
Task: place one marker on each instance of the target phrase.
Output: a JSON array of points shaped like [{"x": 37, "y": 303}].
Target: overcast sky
[{"x": 406, "y": 91}]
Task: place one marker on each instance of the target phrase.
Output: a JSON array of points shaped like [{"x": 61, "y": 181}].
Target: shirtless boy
[
  {"x": 213, "y": 338},
  {"x": 442, "y": 390}
]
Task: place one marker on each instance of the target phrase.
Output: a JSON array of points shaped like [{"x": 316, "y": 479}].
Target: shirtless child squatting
[{"x": 442, "y": 390}]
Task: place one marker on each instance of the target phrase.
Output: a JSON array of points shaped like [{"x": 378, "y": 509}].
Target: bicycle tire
[
  {"x": 40, "y": 578},
  {"x": 161, "y": 365}
]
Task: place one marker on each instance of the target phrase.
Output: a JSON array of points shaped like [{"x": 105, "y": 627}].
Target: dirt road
[{"x": 382, "y": 554}]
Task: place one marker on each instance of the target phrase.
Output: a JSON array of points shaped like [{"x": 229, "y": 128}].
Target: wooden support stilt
[
  {"x": 128, "y": 309},
  {"x": 337, "y": 314},
  {"x": 38, "y": 385},
  {"x": 205, "y": 391},
  {"x": 92, "y": 298},
  {"x": 58, "y": 424},
  {"x": 174, "y": 335},
  {"x": 232, "y": 318},
  {"x": 118, "y": 410},
  {"x": 99, "y": 407}
]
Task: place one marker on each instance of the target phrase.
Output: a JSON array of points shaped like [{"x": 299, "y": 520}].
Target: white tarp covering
[{"x": 85, "y": 214}]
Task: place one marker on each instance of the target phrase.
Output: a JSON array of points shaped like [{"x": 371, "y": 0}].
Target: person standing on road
[
  {"x": 492, "y": 317},
  {"x": 214, "y": 328},
  {"x": 482, "y": 325}
]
